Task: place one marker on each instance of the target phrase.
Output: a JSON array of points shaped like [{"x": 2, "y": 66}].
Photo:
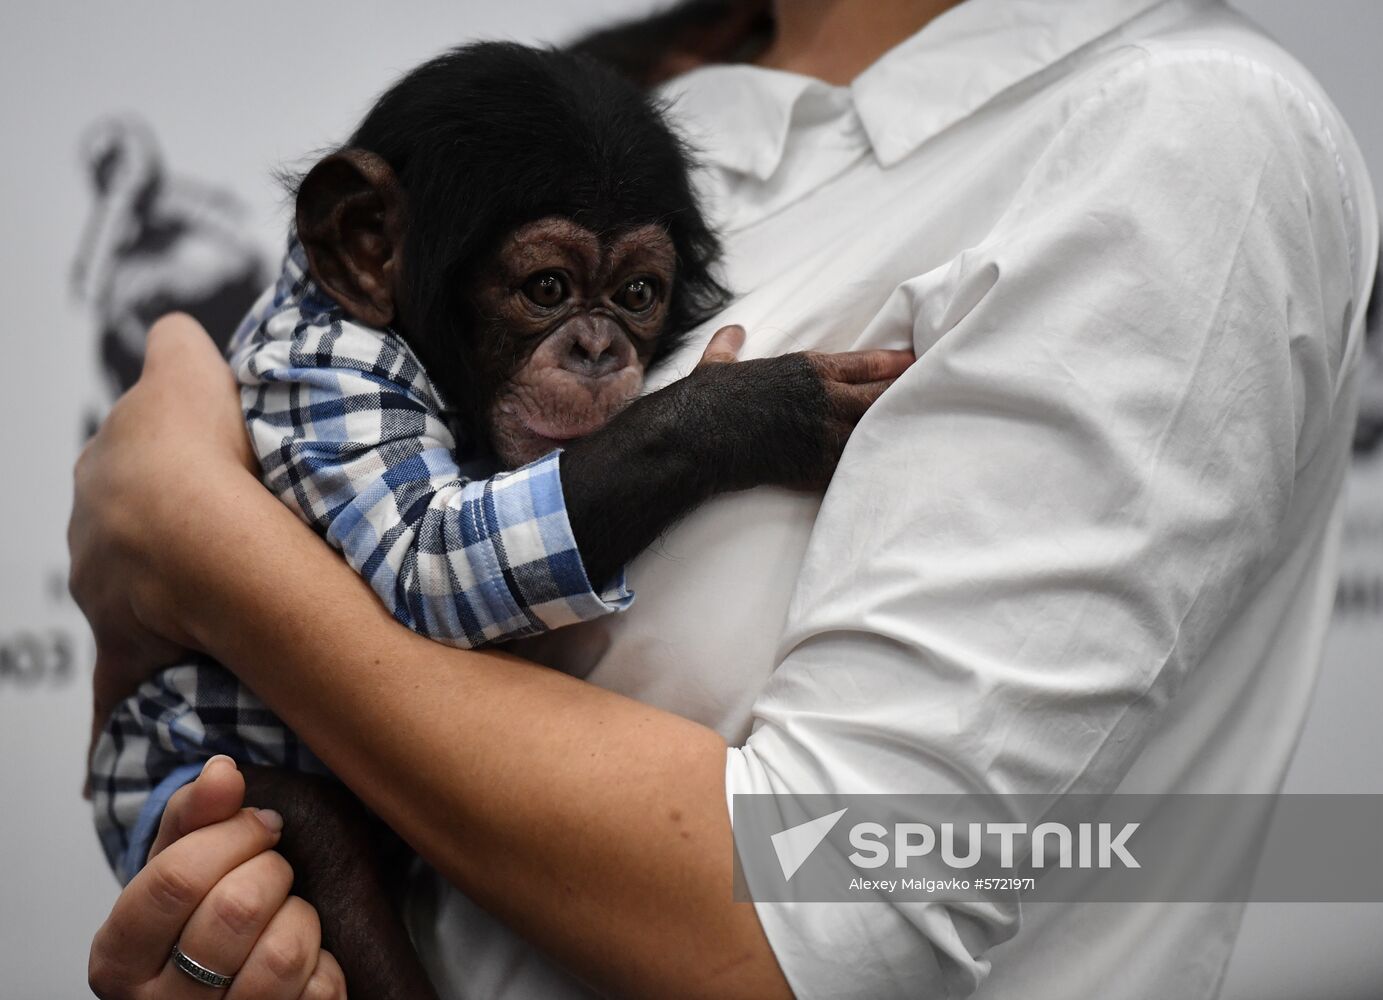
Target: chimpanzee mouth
[{"x": 561, "y": 433}]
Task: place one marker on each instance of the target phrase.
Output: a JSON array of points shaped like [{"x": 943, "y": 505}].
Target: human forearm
[{"x": 542, "y": 787}]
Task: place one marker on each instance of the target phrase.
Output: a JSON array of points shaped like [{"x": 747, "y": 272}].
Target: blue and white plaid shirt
[{"x": 351, "y": 433}]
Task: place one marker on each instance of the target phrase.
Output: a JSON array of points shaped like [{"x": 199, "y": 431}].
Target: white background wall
[{"x": 233, "y": 90}]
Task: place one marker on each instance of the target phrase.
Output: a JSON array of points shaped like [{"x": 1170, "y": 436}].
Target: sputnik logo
[{"x": 796, "y": 844}]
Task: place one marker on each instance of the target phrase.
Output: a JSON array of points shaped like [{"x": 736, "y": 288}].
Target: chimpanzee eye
[
  {"x": 637, "y": 295},
  {"x": 546, "y": 289}
]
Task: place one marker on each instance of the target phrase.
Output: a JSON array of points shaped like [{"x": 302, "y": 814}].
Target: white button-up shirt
[{"x": 1088, "y": 541}]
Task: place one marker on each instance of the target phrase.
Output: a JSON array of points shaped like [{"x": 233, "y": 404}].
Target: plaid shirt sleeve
[
  {"x": 351, "y": 434},
  {"x": 157, "y": 741}
]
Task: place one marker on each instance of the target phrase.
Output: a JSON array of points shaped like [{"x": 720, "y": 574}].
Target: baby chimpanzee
[{"x": 478, "y": 280}]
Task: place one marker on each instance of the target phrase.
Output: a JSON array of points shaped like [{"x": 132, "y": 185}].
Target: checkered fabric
[{"x": 351, "y": 433}]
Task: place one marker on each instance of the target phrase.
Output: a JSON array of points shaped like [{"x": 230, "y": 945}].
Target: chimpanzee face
[
  {"x": 518, "y": 217},
  {"x": 568, "y": 322}
]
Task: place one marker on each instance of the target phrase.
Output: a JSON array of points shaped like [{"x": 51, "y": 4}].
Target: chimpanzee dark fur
[{"x": 494, "y": 134}]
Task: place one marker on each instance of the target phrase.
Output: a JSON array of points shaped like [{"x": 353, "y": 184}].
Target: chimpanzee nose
[{"x": 592, "y": 353}]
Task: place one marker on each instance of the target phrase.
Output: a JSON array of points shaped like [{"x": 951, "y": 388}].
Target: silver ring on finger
[{"x": 196, "y": 970}]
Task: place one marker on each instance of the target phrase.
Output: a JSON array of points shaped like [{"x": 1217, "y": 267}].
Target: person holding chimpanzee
[{"x": 1085, "y": 543}]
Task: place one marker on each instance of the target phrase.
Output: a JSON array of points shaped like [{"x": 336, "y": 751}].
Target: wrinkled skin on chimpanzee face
[{"x": 569, "y": 321}]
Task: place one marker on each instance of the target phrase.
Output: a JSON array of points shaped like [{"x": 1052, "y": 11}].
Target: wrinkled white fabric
[{"x": 1088, "y": 541}]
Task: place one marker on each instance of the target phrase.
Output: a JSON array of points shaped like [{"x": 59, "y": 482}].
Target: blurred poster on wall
[{"x": 1359, "y": 603}]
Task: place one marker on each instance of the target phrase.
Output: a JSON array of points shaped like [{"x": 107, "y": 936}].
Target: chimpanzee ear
[{"x": 350, "y": 222}]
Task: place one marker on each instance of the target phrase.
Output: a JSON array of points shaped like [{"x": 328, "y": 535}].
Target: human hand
[
  {"x": 215, "y": 887},
  {"x": 170, "y": 437},
  {"x": 787, "y": 418}
]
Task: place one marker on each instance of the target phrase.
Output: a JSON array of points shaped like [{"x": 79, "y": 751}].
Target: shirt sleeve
[
  {"x": 1035, "y": 534},
  {"x": 347, "y": 437}
]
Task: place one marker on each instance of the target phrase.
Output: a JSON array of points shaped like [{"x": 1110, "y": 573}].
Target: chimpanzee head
[{"x": 524, "y": 219}]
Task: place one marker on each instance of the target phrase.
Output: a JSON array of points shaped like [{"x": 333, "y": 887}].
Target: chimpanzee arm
[
  {"x": 773, "y": 421},
  {"x": 348, "y": 865}
]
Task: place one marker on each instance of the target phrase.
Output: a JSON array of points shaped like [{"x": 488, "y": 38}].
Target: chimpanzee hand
[
  {"x": 782, "y": 421},
  {"x": 729, "y": 425}
]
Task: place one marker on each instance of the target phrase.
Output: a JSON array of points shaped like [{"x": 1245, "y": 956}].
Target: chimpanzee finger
[
  {"x": 862, "y": 366},
  {"x": 850, "y": 401},
  {"x": 724, "y": 346}
]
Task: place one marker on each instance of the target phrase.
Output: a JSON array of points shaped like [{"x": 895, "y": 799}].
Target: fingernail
[
  {"x": 272, "y": 820},
  {"x": 219, "y": 761}
]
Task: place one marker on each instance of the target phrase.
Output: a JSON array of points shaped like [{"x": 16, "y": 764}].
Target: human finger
[
  {"x": 224, "y": 928},
  {"x": 179, "y": 344},
  {"x": 215, "y": 795},
  {"x": 724, "y": 346},
  {"x": 149, "y": 915},
  {"x": 328, "y": 982},
  {"x": 284, "y": 958},
  {"x": 186, "y": 378}
]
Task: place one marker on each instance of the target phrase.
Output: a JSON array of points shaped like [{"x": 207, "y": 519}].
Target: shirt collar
[{"x": 740, "y": 116}]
